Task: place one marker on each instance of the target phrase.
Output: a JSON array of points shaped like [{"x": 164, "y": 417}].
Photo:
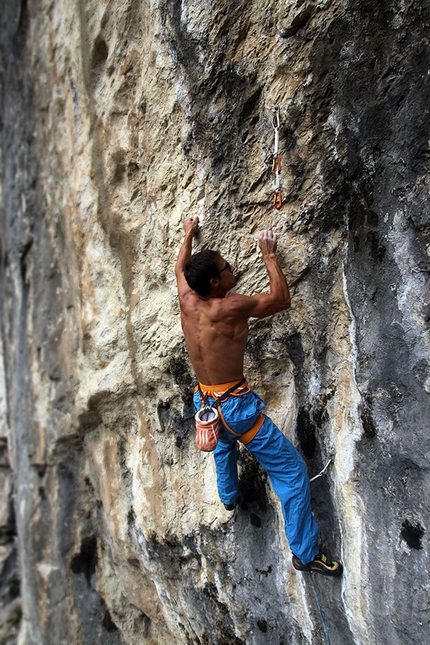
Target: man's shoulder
[
  {"x": 188, "y": 297},
  {"x": 236, "y": 301},
  {"x": 233, "y": 306}
]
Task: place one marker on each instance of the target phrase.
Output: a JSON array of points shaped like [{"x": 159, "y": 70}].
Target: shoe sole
[{"x": 325, "y": 571}]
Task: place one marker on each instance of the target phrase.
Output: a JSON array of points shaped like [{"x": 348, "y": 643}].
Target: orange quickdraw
[{"x": 276, "y": 163}]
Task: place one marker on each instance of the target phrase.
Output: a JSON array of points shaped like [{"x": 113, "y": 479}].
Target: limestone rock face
[{"x": 117, "y": 120}]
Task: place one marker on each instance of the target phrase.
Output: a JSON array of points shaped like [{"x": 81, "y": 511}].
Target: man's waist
[{"x": 216, "y": 391}]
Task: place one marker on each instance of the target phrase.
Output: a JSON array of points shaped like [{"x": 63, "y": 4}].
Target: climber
[{"x": 215, "y": 327}]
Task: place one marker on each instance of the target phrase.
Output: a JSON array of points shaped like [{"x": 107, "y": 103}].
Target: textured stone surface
[{"x": 118, "y": 119}]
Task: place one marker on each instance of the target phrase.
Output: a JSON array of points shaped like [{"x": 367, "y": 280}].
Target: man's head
[{"x": 204, "y": 272}]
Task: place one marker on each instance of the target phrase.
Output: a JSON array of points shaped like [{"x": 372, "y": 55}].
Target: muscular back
[{"x": 215, "y": 336}]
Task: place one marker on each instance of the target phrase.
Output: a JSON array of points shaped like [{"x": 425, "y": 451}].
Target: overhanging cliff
[{"x": 117, "y": 120}]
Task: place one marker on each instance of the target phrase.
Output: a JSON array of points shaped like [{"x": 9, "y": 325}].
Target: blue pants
[{"x": 285, "y": 467}]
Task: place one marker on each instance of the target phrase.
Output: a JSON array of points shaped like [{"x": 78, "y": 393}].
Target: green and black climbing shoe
[
  {"x": 320, "y": 564},
  {"x": 229, "y": 507}
]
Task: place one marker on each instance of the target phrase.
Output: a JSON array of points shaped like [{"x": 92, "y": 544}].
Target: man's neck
[{"x": 215, "y": 294}]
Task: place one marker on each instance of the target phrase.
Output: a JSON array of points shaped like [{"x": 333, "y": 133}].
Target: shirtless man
[{"x": 216, "y": 330}]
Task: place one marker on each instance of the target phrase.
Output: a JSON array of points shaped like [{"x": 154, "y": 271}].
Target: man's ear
[{"x": 214, "y": 282}]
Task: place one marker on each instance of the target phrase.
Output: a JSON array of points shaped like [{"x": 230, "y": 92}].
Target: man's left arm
[
  {"x": 190, "y": 227},
  {"x": 262, "y": 305}
]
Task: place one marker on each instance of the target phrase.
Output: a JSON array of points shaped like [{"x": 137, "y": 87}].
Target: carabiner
[{"x": 277, "y": 199}]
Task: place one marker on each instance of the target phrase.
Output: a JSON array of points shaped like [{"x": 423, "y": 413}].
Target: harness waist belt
[{"x": 216, "y": 391}]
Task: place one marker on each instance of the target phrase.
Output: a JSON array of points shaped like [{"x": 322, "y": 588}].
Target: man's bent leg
[
  {"x": 225, "y": 455},
  {"x": 289, "y": 477}
]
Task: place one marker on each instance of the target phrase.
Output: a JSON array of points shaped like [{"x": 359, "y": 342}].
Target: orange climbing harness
[
  {"x": 276, "y": 163},
  {"x": 209, "y": 417}
]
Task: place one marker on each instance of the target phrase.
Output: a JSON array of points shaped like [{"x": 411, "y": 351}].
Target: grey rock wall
[{"x": 117, "y": 120}]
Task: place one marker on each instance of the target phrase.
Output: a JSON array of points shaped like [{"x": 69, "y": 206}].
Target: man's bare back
[
  {"x": 216, "y": 325},
  {"x": 216, "y": 343}
]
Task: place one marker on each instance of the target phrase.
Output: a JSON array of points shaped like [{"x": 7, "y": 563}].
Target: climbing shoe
[
  {"x": 229, "y": 507},
  {"x": 320, "y": 564}
]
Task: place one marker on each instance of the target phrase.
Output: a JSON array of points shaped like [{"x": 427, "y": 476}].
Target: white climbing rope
[
  {"x": 320, "y": 609},
  {"x": 322, "y": 471}
]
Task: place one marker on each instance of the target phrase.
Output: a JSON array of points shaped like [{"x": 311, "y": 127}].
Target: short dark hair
[{"x": 199, "y": 270}]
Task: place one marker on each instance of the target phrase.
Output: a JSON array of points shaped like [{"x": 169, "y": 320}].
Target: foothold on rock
[
  {"x": 412, "y": 534},
  {"x": 255, "y": 520},
  {"x": 262, "y": 625}
]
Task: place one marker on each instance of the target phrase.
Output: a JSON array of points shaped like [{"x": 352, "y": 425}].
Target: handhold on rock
[{"x": 288, "y": 29}]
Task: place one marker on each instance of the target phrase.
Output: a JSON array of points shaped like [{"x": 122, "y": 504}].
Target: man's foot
[
  {"x": 226, "y": 514},
  {"x": 320, "y": 564}
]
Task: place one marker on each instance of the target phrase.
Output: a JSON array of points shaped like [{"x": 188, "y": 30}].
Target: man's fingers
[
  {"x": 191, "y": 223},
  {"x": 267, "y": 241},
  {"x": 267, "y": 232},
  {"x": 267, "y": 235}
]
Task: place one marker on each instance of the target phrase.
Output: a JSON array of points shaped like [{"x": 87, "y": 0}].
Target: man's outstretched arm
[
  {"x": 190, "y": 227},
  {"x": 279, "y": 291},
  {"x": 263, "y": 304}
]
